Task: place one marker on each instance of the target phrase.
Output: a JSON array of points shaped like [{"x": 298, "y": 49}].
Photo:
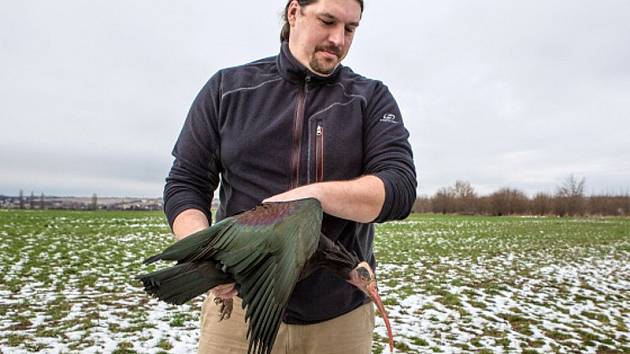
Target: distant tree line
[{"x": 569, "y": 199}]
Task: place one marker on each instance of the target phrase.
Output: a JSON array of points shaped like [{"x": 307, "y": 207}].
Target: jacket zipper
[
  {"x": 298, "y": 124},
  {"x": 319, "y": 153}
]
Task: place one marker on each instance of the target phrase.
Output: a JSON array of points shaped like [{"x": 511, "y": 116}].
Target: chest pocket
[{"x": 336, "y": 143}]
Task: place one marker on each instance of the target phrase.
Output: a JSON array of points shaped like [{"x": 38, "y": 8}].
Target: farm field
[{"x": 452, "y": 284}]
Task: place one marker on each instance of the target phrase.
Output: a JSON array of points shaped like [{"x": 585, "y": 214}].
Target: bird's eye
[{"x": 364, "y": 274}]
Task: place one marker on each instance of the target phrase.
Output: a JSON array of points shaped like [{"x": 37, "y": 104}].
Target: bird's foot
[{"x": 226, "y": 307}]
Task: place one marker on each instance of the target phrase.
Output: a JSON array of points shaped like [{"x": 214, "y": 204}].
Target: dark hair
[{"x": 286, "y": 29}]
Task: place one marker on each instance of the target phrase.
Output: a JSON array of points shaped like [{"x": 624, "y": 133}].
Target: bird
[{"x": 265, "y": 251}]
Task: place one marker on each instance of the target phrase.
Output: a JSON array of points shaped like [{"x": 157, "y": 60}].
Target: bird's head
[{"x": 363, "y": 278}]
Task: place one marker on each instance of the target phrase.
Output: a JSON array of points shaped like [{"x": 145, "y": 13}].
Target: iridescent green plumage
[{"x": 251, "y": 249}]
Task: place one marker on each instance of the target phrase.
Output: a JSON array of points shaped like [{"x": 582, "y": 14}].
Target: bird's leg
[{"x": 226, "y": 307}]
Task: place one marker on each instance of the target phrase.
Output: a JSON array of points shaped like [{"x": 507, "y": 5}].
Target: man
[{"x": 297, "y": 125}]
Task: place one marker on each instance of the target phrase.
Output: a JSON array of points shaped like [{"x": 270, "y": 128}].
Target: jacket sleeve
[
  {"x": 388, "y": 154},
  {"x": 194, "y": 175}
]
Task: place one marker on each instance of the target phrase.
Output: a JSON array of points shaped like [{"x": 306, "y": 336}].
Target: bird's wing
[
  {"x": 182, "y": 282},
  {"x": 265, "y": 250}
]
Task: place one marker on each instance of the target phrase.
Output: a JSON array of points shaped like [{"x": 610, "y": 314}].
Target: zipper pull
[
  {"x": 307, "y": 82},
  {"x": 319, "y": 130}
]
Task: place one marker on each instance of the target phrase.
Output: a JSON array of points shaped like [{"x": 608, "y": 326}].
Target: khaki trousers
[{"x": 347, "y": 334}]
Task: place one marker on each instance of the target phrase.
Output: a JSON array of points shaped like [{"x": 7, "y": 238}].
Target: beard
[{"x": 322, "y": 65}]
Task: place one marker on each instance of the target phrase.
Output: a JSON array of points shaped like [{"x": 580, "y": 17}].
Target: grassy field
[{"x": 451, "y": 284}]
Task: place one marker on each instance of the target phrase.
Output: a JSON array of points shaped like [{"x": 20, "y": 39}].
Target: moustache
[{"x": 329, "y": 48}]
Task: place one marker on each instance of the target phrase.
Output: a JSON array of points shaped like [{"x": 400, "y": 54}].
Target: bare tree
[
  {"x": 444, "y": 201},
  {"x": 465, "y": 197},
  {"x": 570, "y": 196},
  {"x": 608, "y": 205},
  {"x": 572, "y": 187},
  {"x": 542, "y": 204},
  {"x": 21, "y": 198},
  {"x": 508, "y": 201},
  {"x": 422, "y": 205}
]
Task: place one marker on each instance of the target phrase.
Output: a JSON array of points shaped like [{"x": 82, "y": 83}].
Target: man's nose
[{"x": 337, "y": 36}]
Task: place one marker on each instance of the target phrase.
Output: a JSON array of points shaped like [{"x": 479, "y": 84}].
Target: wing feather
[
  {"x": 271, "y": 329},
  {"x": 259, "y": 301},
  {"x": 256, "y": 295},
  {"x": 188, "y": 248},
  {"x": 254, "y": 282},
  {"x": 253, "y": 267}
]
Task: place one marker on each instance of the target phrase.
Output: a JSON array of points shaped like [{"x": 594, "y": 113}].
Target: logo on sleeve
[{"x": 389, "y": 118}]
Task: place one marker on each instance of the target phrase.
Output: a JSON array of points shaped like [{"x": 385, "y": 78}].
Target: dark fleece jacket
[{"x": 262, "y": 128}]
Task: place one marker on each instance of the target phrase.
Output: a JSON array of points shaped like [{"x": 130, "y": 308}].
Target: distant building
[{"x": 82, "y": 203}]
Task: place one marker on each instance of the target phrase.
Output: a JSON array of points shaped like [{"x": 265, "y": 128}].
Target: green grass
[
  {"x": 451, "y": 283},
  {"x": 517, "y": 275}
]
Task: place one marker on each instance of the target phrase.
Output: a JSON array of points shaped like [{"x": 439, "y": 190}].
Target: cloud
[{"x": 497, "y": 93}]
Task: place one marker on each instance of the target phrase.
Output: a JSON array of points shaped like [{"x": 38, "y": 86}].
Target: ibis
[{"x": 265, "y": 251}]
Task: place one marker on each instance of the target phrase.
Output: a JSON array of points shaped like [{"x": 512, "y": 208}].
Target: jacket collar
[{"x": 292, "y": 70}]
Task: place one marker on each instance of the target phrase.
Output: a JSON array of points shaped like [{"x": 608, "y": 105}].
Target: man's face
[{"x": 322, "y": 32}]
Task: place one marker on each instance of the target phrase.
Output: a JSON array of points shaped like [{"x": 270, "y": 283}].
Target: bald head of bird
[{"x": 363, "y": 278}]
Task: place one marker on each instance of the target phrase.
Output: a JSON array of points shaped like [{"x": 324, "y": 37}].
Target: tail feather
[{"x": 183, "y": 282}]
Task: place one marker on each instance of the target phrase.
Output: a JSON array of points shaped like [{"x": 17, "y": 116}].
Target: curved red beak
[{"x": 372, "y": 291}]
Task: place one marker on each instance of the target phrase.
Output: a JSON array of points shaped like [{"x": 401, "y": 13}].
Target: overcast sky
[{"x": 520, "y": 93}]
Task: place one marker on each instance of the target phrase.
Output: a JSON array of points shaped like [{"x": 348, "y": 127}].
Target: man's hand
[{"x": 188, "y": 222}]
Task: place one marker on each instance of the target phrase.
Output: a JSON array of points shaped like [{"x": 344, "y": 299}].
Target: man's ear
[{"x": 292, "y": 11}]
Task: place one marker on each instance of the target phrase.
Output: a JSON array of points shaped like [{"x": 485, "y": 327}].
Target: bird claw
[{"x": 226, "y": 307}]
